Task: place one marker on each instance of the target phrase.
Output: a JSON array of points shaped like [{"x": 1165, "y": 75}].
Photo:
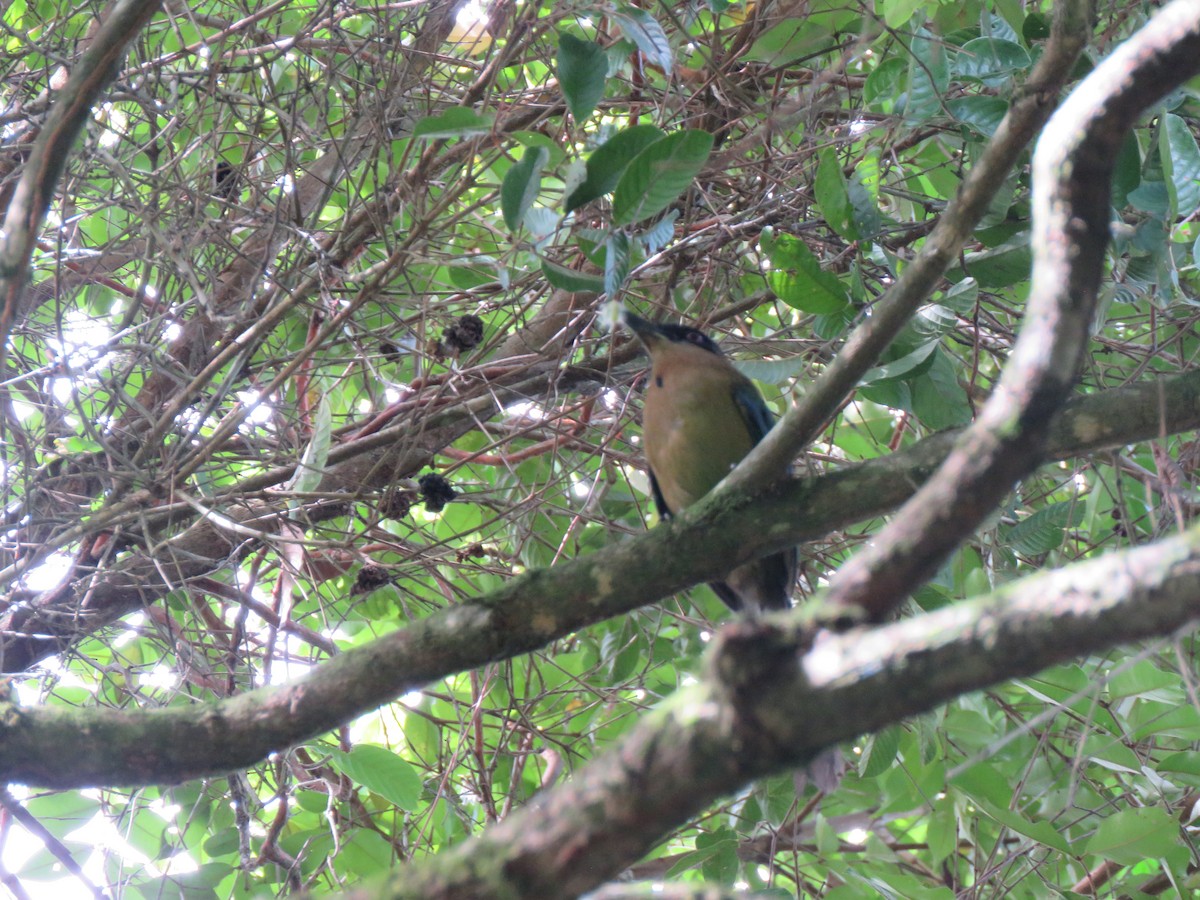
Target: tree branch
[
  {"x": 1072, "y": 180},
  {"x": 31, "y": 199},
  {"x": 113, "y": 747},
  {"x": 862, "y": 349},
  {"x": 770, "y": 703}
]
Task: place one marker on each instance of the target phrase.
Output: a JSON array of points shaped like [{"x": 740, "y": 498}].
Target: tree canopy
[{"x": 329, "y": 560}]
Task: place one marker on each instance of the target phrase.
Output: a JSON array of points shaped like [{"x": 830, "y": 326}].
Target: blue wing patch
[{"x": 754, "y": 410}]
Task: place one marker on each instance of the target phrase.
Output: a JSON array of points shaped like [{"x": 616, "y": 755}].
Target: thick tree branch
[
  {"x": 771, "y": 703},
  {"x": 112, "y": 747},
  {"x": 1072, "y": 179}
]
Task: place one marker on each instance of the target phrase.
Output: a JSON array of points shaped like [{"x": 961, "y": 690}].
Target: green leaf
[
  {"x": 616, "y": 262},
  {"x": 991, "y": 791},
  {"x": 1002, "y": 266},
  {"x": 1181, "y": 165},
  {"x": 963, "y": 297},
  {"x": 788, "y": 41},
  {"x": 1153, "y": 195},
  {"x": 897, "y": 13},
  {"x": 772, "y": 371},
  {"x": 905, "y": 365},
  {"x": 582, "y": 69},
  {"x": 990, "y": 61},
  {"x": 1128, "y": 173},
  {"x": 643, "y": 29},
  {"x": 1130, "y": 836},
  {"x": 796, "y": 276},
  {"x": 1045, "y": 529},
  {"x": 833, "y": 198},
  {"x": 537, "y": 139},
  {"x": 659, "y": 174},
  {"x": 713, "y": 849},
  {"x": 886, "y": 85},
  {"x": 660, "y": 233},
  {"x": 219, "y": 843},
  {"x": 1143, "y": 679},
  {"x": 928, "y": 78},
  {"x": 879, "y": 752},
  {"x": 609, "y": 161},
  {"x": 1185, "y": 763},
  {"x": 828, "y": 841},
  {"x": 938, "y": 399},
  {"x": 1036, "y": 27},
  {"x": 457, "y": 121},
  {"x": 380, "y": 770},
  {"x": 1041, "y": 831},
  {"x": 569, "y": 280},
  {"x": 983, "y": 114},
  {"x": 942, "y": 832},
  {"x": 312, "y": 462},
  {"x": 863, "y": 190},
  {"x": 521, "y": 185}
]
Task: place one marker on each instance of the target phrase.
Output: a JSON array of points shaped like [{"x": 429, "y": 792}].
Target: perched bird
[{"x": 701, "y": 416}]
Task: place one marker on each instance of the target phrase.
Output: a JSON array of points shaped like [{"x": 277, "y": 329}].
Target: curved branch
[
  {"x": 1072, "y": 178},
  {"x": 1029, "y": 110},
  {"x": 48, "y": 158}
]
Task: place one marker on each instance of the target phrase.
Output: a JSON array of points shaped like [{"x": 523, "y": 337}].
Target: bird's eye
[{"x": 696, "y": 338}]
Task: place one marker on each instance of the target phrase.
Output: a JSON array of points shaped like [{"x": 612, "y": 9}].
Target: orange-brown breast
[{"x": 693, "y": 429}]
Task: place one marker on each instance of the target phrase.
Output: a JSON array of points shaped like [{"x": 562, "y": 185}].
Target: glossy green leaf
[
  {"x": 658, "y": 175},
  {"x": 1128, "y": 173},
  {"x": 863, "y": 190},
  {"x": 609, "y": 161},
  {"x": 796, "y": 276},
  {"x": 1130, "y": 836},
  {"x": 616, "y": 262},
  {"x": 311, "y": 469},
  {"x": 939, "y": 400},
  {"x": 833, "y": 198},
  {"x": 772, "y": 371},
  {"x": 983, "y": 114},
  {"x": 1045, "y": 529},
  {"x": 521, "y": 185},
  {"x": 643, "y": 29},
  {"x": 1181, "y": 166},
  {"x": 1036, "y": 27},
  {"x": 457, "y": 121},
  {"x": 887, "y": 85},
  {"x": 990, "y": 61},
  {"x": 897, "y": 13},
  {"x": 1002, "y": 266},
  {"x": 905, "y": 365},
  {"x": 788, "y": 41},
  {"x": 571, "y": 280},
  {"x": 879, "y": 752},
  {"x": 928, "y": 78},
  {"x": 380, "y": 770},
  {"x": 660, "y": 234},
  {"x": 582, "y": 70}
]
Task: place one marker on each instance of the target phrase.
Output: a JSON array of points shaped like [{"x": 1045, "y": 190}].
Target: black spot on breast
[{"x": 658, "y": 380}]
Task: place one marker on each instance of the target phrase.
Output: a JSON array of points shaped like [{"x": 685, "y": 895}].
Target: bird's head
[{"x": 662, "y": 339}]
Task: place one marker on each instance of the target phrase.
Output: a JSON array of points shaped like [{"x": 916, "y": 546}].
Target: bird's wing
[{"x": 750, "y": 404}]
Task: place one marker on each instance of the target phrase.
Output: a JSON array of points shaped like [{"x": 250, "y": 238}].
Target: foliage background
[{"x": 259, "y": 258}]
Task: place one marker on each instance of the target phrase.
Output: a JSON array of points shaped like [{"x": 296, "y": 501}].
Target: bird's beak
[{"x": 646, "y": 332}]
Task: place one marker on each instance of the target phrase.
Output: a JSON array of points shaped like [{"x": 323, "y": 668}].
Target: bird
[{"x": 699, "y": 418}]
